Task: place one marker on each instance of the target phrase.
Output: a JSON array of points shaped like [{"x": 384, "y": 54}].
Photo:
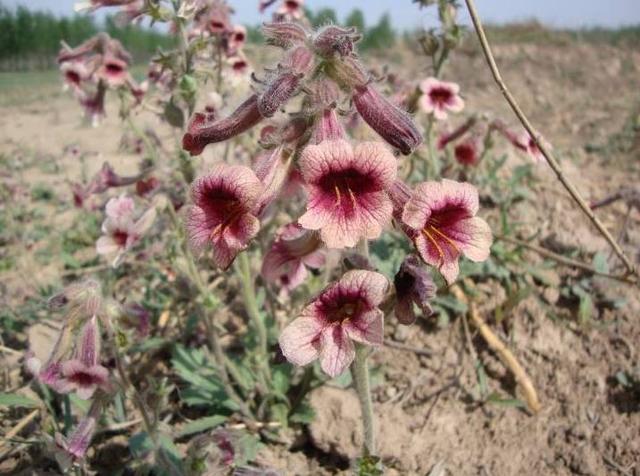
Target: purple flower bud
[
  {"x": 200, "y": 132},
  {"x": 333, "y": 40},
  {"x": 413, "y": 284},
  {"x": 278, "y": 93},
  {"x": 348, "y": 72},
  {"x": 284, "y": 34},
  {"x": 299, "y": 60},
  {"x": 390, "y": 122}
]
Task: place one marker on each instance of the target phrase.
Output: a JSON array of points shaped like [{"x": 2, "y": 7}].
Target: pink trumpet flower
[
  {"x": 223, "y": 212},
  {"x": 440, "y": 218},
  {"x": 113, "y": 70},
  {"x": 344, "y": 312},
  {"x": 290, "y": 9},
  {"x": 347, "y": 189},
  {"x": 439, "y": 97},
  {"x": 74, "y": 73},
  {"x": 293, "y": 251},
  {"x": 83, "y": 373},
  {"x": 120, "y": 231}
]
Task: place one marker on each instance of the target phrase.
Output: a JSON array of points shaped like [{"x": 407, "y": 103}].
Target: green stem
[
  {"x": 243, "y": 269},
  {"x": 361, "y": 381},
  {"x": 224, "y": 367}
]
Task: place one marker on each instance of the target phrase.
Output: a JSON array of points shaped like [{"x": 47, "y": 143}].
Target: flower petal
[
  {"x": 371, "y": 285},
  {"x": 337, "y": 351},
  {"x": 367, "y": 328},
  {"x": 300, "y": 340}
]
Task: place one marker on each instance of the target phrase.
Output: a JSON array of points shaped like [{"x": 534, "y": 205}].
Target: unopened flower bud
[
  {"x": 200, "y": 133},
  {"x": 348, "y": 72},
  {"x": 284, "y": 34},
  {"x": 299, "y": 60},
  {"x": 413, "y": 284},
  {"x": 278, "y": 93},
  {"x": 389, "y": 121},
  {"x": 430, "y": 44},
  {"x": 333, "y": 40}
]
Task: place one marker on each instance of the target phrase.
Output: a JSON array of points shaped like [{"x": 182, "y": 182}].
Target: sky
[{"x": 407, "y": 15}]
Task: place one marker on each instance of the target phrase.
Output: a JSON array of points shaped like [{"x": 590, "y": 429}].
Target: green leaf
[
  {"x": 450, "y": 303},
  {"x": 369, "y": 465},
  {"x": 15, "y": 400},
  {"x": 304, "y": 414},
  {"x": 600, "y": 263},
  {"x": 174, "y": 115},
  {"x": 496, "y": 399},
  {"x": 585, "y": 309},
  {"x": 201, "y": 424},
  {"x": 623, "y": 379}
]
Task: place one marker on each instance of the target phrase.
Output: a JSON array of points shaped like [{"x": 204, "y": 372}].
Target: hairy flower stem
[
  {"x": 361, "y": 381},
  {"x": 243, "y": 270},
  {"x": 226, "y": 371}
]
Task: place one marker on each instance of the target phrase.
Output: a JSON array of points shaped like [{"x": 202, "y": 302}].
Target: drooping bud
[
  {"x": 390, "y": 122},
  {"x": 348, "y": 72},
  {"x": 74, "y": 447},
  {"x": 200, "y": 133},
  {"x": 413, "y": 284},
  {"x": 278, "y": 93},
  {"x": 284, "y": 34},
  {"x": 332, "y": 40}
]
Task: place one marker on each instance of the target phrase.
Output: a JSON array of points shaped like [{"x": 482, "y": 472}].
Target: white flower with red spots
[
  {"x": 223, "y": 212},
  {"x": 439, "y": 98},
  {"x": 344, "y": 312},
  {"x": 440, "y": 218},
  {"x": 347, "y": 189}
]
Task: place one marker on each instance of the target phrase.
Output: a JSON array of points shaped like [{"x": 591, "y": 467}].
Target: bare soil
[{"x": 584, "y": 99}]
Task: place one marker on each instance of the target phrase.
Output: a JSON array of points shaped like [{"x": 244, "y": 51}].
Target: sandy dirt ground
[{"x": 584, "y": 100}]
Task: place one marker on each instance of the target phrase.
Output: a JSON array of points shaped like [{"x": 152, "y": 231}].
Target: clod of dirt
[{"x": 336, "y": 427}]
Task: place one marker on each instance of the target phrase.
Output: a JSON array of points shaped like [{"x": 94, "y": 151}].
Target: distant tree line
[{"x": 31, "y": 39}]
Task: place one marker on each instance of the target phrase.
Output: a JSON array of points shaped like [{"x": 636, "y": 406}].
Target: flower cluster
[
  {"x": 353, "y": 192},
  {"x": 89, "y": 70}
]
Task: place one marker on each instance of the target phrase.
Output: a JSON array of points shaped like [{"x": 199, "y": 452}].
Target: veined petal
[
  {"x": 337, "y": 351},
  {"x": 367, "y": 328},
  {"x": 300, "y": 340}
]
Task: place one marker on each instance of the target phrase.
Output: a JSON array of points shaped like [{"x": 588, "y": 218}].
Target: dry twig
[
  {"x": 19, "y": 427},
  {"x": 505, "y": 355},
  {"x": 564, "y": 260},
  {"x": 553, "y": 163}
]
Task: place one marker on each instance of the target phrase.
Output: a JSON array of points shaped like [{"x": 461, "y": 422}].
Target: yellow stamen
[
  {"x": 353, "y": 198},
  {"x": 434, "y": 243},
  {"x": 335, "y": 187},
  {"x": 449, "y": 240}
]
